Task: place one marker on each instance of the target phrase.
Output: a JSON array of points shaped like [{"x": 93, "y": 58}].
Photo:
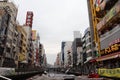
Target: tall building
[
  {"x": 58, "y": 60},
  {"x": 77, "y": 34},
  {"x": 62, "y": 51},
  {"x": 22, "y": 55},
  {"x": 42, "y": 56},
  {"x": 28, "y": 29},
  {"x": 67, "y": 53},
  {"x": 4, "y": 18},
  {"x": 9, "y": 31},
  {"x": 104, "y": 20},
  {"x": 87, "y": 51},
  {"x": 29, "y": 44},
  {"x": 36, "y": 41},
  {"x": 77, "y": 43}
]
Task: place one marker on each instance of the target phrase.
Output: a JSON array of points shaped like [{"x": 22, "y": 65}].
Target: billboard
[
  {"x": 34, "y": 37},
  {"x": 109, "y": 72},
  {"x": 29, "y": 18}
]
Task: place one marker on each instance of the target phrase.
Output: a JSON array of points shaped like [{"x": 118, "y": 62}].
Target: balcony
[
  {"x": 89, "y": 43},
  {"x": 88, "y": 51}
]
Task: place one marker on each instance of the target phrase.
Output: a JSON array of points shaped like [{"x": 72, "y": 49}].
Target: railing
[
  {"x": 19, "y": 71},
  {"x": 4, "y": 78}
]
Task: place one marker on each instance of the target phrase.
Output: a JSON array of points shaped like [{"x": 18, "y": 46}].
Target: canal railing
[
  {"x": 19, "y": 71},
  {"x": 4, "y": 78}
]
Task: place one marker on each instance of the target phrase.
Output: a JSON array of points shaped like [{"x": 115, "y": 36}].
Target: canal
[{"x": 55, "y": 76}]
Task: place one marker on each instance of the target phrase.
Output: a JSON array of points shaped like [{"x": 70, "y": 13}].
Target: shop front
[
  {"x": 109, "y": 65},
  {"x": 89, "y": 66}
]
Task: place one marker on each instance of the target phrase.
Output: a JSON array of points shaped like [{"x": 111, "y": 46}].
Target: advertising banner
[
  {"x": 34, "y": 37},
  {"x": 109, "y": 72},
  {"x": 111, "y": 49},
  {"x": 110, "y": 15}
]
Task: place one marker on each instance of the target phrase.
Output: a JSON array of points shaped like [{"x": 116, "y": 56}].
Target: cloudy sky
[{"x": 55, "y": 21}]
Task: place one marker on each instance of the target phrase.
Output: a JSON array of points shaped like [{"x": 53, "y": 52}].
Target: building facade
[
  {"x": 88, "y": 56},
  {"x": 29, "y": 45},
  {"x": 106, "y": 33},
  {"x": 9, "y": 49},
  {"x": 77, "y": 44},
  {"x": 68, "y": 54},
  {"x": 62, "y": 52}
]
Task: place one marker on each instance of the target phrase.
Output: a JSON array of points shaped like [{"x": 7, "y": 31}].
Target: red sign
[{"x": 29, "y": 18}]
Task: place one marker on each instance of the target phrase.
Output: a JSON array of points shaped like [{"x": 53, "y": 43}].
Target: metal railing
[{"x": 4, "y": 78}]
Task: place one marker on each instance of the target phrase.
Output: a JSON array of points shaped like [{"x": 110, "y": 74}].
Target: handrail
[{"x": 5, "y": 78}]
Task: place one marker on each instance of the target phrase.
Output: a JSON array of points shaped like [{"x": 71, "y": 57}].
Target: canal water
[{"x": 54, "y": 76}]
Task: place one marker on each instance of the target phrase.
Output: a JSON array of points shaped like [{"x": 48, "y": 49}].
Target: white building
[
  {"x": 10, "y": 50},
  {"x": 77, "y": 34}
]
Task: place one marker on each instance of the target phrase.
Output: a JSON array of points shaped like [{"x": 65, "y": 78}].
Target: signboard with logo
[
  {"x": 34, "y": 37},
  {"x": 111, "y": 49}
]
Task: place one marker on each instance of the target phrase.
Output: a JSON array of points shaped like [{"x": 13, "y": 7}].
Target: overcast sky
[{"x": 55, "y": 21}]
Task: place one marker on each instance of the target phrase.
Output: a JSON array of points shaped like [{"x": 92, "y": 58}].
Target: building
[
  {"x": 58, "y": 60},
  {"x": 62, "y": 52},
  {"x": 76, "y": 45},
  {"x": 87, "y": 51},
  {"x": 67, "y": 54},
  {"x": 28, "y": 29},
  {"x": 9, "y": 48},
  {"x": 77, "y": 34},
  {"x": 42, "y": 55},
  {"x": 36, "y": 41},
  {"x": 109, "y": 30},
  {"x": 44, "y": 61},
  {"x": 4, "y": 18},
  {"x": 22, "y": 55},
  {"x": 29, "y": 44},
  {"x": 106, "y": 33}
]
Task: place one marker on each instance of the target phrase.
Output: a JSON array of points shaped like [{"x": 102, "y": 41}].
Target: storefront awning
[
  {"x": 90, "y": 59},
  {"x": 107, "y": 57}
]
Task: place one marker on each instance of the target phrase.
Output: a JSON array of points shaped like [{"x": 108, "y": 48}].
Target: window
[{"x": 8, "y": 50}]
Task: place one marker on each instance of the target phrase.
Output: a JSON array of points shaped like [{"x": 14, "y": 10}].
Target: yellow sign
[
  {"x": 34, "y": 35},
  {"x": 109, "y": 72},
  {"x": 21, "y": 57},
  {"x": 111, "y": 49}
]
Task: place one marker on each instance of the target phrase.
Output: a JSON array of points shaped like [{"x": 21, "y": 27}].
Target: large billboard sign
[
  {"x": 34, "y": 37},
  {"x": 29, "y": 18}
]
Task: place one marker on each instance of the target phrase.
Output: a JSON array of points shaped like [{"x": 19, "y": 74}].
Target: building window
[{"x": 8, "y": 49}]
